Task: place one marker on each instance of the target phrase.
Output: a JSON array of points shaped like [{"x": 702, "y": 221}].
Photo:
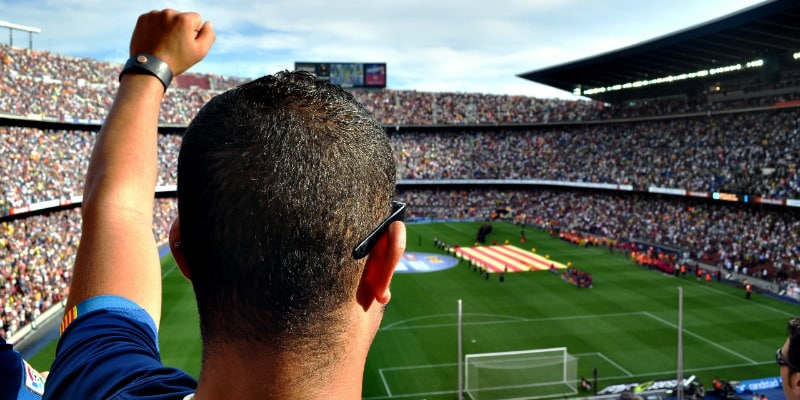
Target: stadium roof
[{"x": 768, "y": 31}]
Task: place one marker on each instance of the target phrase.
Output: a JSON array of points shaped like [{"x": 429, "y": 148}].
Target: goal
[{"x": 528, "y": 374}]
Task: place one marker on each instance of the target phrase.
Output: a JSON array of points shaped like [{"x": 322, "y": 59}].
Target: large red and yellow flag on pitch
[{"x": 506, "y": 258}]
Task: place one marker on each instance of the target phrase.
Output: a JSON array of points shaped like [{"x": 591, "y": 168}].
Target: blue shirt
[
  {"x": 18, "y": 380},
  {"x": 109, "y": 350}
]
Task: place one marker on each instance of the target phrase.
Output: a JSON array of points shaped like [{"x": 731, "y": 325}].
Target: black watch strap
[{"x": 148, "y": 64}]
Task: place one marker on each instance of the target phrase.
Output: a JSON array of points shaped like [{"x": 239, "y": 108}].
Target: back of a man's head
[{"x": 277, "y": 182}]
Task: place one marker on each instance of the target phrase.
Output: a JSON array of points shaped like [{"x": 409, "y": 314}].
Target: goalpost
[{"x": 517, "y": 375}]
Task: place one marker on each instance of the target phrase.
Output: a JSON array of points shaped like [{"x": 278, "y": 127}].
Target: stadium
[{"x": 550, "y": 241}]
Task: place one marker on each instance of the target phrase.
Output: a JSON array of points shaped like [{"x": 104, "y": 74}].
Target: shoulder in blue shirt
[{"x": 109, "y": 350}]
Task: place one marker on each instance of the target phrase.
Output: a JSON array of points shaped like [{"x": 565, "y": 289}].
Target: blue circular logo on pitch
[{"x": 424, "y": 262}]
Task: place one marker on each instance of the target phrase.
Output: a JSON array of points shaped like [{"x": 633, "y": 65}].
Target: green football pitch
[{"x": 625, "y": 326}]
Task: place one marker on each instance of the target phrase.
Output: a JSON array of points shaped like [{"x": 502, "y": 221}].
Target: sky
[{"x": 428, "y": 45}]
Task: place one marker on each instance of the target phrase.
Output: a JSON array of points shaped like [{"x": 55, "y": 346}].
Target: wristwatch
[{"x": 148, "y": 64}]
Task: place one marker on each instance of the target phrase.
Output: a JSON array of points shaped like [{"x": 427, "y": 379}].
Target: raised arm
[{"x": 117, "y": 253}]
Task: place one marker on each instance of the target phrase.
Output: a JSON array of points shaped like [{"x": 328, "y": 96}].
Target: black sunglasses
[
  {"x": 365, "y": 246},
  {"x": 781, "y": 360}
]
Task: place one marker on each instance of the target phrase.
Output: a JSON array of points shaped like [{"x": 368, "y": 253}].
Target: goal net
[{"x": 528, "y": 374}]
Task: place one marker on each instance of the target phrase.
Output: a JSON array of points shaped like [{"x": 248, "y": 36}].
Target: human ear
[
  {"x": 381, "y": 263},
  {"x": 176, "y": 248}
]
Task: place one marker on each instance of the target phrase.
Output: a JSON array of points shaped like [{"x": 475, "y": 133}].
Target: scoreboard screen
[
  {"x": 347, "y": 75},
  {"x": 375, "y": 75}
]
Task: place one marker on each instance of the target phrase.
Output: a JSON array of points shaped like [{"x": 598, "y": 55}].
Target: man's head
[
  {"x": 278, "y": 181},
  {"x": 788, "y": 358}
]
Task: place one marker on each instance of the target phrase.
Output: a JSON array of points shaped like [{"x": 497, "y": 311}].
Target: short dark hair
[
  {"x": 278, "y": 180},
  {"x": 793, "y": 349}
]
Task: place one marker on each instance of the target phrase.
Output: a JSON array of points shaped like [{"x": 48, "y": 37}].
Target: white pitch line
[
  {"x": 764, "y": 306},
  {"x": 169, "y": 271},
  {"x": 513, "y": 319},
  {"x": 385, "y": 384},
  {"x": 719, "y": 346},
  {"x": 394, "y": 325},
  {"x": 510, "y": 320},
  {"x": 610, "y": 361},
  {"x": 419, "y": 366}
]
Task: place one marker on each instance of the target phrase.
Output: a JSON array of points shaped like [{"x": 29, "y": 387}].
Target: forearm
[
  {"x": 118, "y": 202},
  {"x": 123, "y": 167}
]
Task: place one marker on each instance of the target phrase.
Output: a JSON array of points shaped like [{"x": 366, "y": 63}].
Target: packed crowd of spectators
[
  {"x": 39, "y": 84},
  {"x": 749, "y": 152},
  {"x": 753, "y": 153},
  {"x": 43, "y": 84},
  {"x": 36, "y": 258},
  {"x": 40, "y": 165},
  {"x": 398, "y": 107}
]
